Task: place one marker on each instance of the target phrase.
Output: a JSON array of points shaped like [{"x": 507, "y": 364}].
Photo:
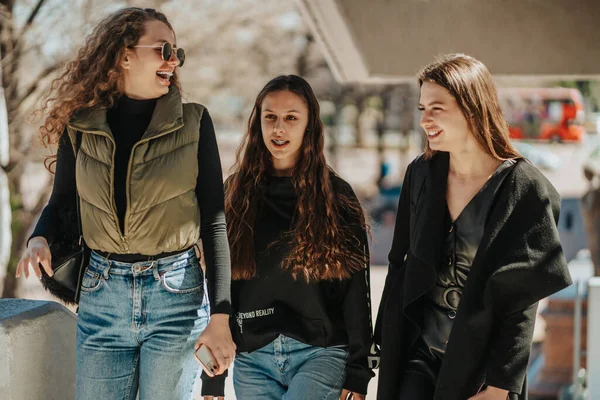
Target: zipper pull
[{"x": 125, "y": 243}]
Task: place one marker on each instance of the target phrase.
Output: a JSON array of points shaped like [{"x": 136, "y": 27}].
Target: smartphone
[{"x": 207, "y": 360}]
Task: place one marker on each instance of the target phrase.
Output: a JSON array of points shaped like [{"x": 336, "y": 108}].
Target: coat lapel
[{"x": 427, "y": 236}]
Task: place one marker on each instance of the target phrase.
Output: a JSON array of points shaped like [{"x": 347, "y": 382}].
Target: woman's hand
[
  {"x": 348, "y": 395},
  {"x": 217, "y": 336},
  {"x": 491, "y": 393},
  {"x": 37, "y": 252}
]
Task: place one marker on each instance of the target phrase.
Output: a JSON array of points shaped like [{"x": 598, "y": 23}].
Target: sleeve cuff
[
  {"x": 222, "y": 308},
  {"x": 511, "y": 386},
  {"x": 213, "y": 386},
  {"x": 356, "y": 384}
]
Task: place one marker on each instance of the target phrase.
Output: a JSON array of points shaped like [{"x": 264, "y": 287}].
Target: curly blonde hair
[{"x": 94, "y": 78}]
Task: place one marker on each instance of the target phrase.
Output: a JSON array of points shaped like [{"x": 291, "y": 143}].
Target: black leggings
[{"x": 416, "y": 386}]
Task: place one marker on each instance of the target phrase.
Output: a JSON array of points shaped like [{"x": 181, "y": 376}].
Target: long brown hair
[
  {"x": 471, "y": 84},
  {"x": 322, "y": 247},
  {"x": 94, "y": 77}
]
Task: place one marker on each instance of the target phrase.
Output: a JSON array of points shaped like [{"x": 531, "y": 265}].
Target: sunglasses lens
[
  {"x": 181, "y": 56},
  {"x": 167, "y": 51}
]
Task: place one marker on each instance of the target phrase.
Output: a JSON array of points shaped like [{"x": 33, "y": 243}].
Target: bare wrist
[
  {"x": 222, "y": 318},
  {"x": 40, "y": 239}
]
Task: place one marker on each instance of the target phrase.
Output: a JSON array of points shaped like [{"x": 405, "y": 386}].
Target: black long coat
[{"x": 519, "y": 262}]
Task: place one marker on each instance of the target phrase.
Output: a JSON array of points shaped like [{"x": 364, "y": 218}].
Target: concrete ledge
[{"x": 37, "y": 350}]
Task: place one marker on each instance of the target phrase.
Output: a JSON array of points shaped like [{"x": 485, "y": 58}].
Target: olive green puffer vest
[{"x": 162, "y": 212}]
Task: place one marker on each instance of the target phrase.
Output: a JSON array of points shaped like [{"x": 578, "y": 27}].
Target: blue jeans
[
  {"x": 287, "y": 369},
  {"x": 137, "y": 326}
]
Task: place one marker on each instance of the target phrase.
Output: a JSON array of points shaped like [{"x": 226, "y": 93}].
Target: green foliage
[{"x": 583, "y": 86}]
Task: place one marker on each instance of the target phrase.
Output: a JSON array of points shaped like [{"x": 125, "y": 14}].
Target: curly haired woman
[{"x": 147, "y": 171}]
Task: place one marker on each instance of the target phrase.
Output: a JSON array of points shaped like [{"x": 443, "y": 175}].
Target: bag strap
[
  {"x": 374, "y": 357},
  {"x": 78, "y": 136}
]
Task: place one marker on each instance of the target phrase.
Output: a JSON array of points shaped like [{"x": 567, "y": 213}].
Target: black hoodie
[{"x": 327, "y": 313}]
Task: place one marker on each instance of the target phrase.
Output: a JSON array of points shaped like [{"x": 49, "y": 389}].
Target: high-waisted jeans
[
  {"x": 137, "y": 326},
  {"x": 287, "y": 369}
]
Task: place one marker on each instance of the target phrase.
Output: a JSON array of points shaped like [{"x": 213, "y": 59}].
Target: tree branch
[
  {"x": 34, "y": 86},
  {"x": 30, "y": 20}
]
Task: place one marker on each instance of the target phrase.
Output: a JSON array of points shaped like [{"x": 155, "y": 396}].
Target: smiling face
[
  {"x": 445, "y": 125},
  {"x": 147, "y": 75},
  {"x": 283, "y": 121}
]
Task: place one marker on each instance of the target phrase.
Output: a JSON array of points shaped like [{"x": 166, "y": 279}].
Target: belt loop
[
  {"x": 106, "y": 272},
  {"x": 197, "y": 250},
  {"x": 155, "y": 270}
]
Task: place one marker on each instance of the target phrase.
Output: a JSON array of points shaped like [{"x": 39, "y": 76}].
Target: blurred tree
[
  {"x": 233, "y": 47},
  {"x": 13, "y": 49},
  {"x": 36, "y": 38}
]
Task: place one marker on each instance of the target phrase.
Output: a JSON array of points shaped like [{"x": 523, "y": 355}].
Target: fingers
[
  {"x": 199, "y": 342},
  {"x": 223, "y": 360},
  {"x": 225, "y": 357},
  {"x": 35, "y": 265},
  {"x": 32, "y": 258},
  {"x": 25, "y": 267},
  {"x": 20, "y": 266},
  {"x": 46, "y": 262},
  {"x": 223, "y": 354}
]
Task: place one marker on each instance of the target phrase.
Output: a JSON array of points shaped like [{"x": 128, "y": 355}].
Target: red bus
[{"x": 553, "y": 114}]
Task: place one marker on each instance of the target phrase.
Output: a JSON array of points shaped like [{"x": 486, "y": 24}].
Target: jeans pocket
[
  {"x": 91, "y": 281},
  {"x": 188, "y": 279}
]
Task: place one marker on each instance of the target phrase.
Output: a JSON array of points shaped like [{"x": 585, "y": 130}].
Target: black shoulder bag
[{"x": 70, "y": 255}]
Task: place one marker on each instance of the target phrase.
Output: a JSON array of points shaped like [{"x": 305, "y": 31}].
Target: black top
[
  {"x": 322, "y": 314},
  {"x": 128, "y": 121},
  {"x": 519, "y": 261},
  {"x": 462, "y": 242}
]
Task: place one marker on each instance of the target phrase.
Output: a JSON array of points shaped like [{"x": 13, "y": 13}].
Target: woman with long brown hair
[
  {"x": 147, "y": 171},
  {"x": 475, "y": 248},
  {"x": 297, "y": 233}
]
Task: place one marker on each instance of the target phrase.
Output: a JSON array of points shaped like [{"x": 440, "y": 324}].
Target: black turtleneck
[{"x": 128, "y": 121}]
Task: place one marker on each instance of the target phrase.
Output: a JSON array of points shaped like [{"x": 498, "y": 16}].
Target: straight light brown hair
[{"x": 471, "y": 84}]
